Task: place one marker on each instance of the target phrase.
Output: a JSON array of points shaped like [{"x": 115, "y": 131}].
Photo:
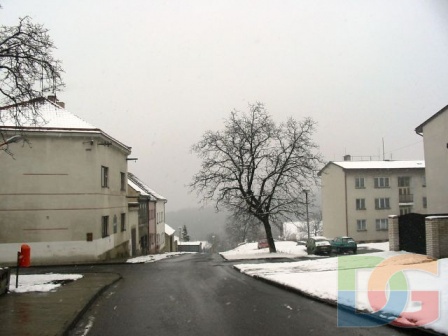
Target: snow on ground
[
  {"x": 154, "y": 257},
  {"x": 50, "y": 282},
  {"x": 39, "y": 282},
  {"x": 285, "y": 249},
  {"x": 250, "y": 251},
  {"x": 371, "y": 271}
]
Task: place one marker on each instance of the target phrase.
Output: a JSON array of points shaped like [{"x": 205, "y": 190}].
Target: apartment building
[{"x": 358, "y": 196}]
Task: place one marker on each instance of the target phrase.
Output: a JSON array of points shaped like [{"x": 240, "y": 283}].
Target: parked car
[
  {"x": 344, "y": 244},
  {"x": 301, "y": 242},
  {"x": 318, "y": 245},
  {"x": 263, "y": 243}
]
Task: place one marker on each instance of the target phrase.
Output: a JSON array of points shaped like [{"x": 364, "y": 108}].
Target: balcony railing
[{"x": 409, "y": 198}]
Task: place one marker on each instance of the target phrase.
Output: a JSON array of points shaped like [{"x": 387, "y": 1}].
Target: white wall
[
  {"x": 51, "y": 196},
  {"x": 333, "y": 201},
  {"x": 435, "y": 135}
]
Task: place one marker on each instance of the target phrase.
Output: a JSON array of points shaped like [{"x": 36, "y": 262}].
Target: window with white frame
[
  {"x": 382, "y": 203},
  {"x": 381, "y": 224},
  {"x": 404, "y": 210},
  {"x": 381, "y": 182},
  {"x": 360, "y": 204},
  {"x": 361, "y": 225},
  {"x": 404, "y": 181},
  {"x": 359, "y": 183},
  {"x": 115, "y": 224}
]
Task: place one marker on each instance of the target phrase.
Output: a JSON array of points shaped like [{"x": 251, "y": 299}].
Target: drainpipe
[{"x": 346, "y": 204}]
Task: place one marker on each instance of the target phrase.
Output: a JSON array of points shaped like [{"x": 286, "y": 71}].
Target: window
[
  {"x": 359, "y": 183},
  {"x": 425, "y": 202},
  {"x": 123, "y": 222},
  {"x": 404, "y": 210},
  {"x": 115, "y": 224},
  {"x": 381, "y": 224},
  {"x": 361, "y": 225},
  {"x": 381, "y": 182},
  {"x": 123, "y": 181},
  {"x": 404, "y": 181},
  {"x": 424, "y": 180},
  {"x": 104, "y": 177},
  {"x": 143, "y": 213},
  {"x": 382, "y": 203},
  {"x": 360, "y": 204},
  {"x": 104, "y": 226}
]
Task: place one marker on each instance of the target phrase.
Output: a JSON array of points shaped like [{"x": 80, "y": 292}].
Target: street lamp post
[{"x": 307, "y": 215}]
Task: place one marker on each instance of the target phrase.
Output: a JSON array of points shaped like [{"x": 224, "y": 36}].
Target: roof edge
[{"x": 419, "y": 128}]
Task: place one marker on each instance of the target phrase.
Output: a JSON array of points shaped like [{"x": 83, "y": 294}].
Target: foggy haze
[{"x": 157, "y": 74}]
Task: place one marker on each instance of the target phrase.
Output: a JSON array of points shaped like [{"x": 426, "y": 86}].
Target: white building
[
  {"x": 358, "y": 196},
  {"x": 64, "y": 192},
  {"x": 435, "y": 139}
]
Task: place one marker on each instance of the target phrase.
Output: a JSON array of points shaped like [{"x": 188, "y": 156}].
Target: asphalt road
[{"x": 201, "y": 294}]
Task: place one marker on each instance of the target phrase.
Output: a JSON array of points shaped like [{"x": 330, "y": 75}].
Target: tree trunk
[{"x": 267, "y": 228}]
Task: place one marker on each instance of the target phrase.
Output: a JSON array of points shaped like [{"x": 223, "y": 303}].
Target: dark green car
[{"x": 344, "y": 244}]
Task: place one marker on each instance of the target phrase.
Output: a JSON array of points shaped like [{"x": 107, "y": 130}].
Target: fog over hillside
[
  {"x": 203, "y": 222},
  {"x": 200, "y": 222}
]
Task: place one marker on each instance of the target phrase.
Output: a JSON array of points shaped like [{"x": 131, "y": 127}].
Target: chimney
[
  {"x": 347, "y": 158},
  {"x": 53, "y": 99}
]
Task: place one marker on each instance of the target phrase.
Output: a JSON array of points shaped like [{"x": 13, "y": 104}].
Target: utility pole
[{"x": 307, "y": 215}]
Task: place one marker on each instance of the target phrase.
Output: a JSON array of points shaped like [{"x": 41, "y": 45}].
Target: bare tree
[
  {"x": 316, "y": 225},
  {"x": 28, "y": 71},
  {"x": 257, "y": 166},
  {"x": 242, "y": 226}
]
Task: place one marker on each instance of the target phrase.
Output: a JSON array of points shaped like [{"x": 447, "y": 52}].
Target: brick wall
[
  {"x": 437, "y": 236},
  {"x": 394, "y": 238}
]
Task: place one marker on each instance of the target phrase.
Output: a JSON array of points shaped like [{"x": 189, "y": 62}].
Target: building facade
[
  {"x": 435, "y": 142},
  {"x": 358, "y": 196},
  {"x": 151, "y": 215},
  {"x": 64, "y": 191}
]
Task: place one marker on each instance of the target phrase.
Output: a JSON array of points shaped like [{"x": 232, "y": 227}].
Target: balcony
[{"x": 409, "y": 198}]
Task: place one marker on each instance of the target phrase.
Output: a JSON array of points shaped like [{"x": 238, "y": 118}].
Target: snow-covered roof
[
  {"x": 380, "y": 164},
  {"x": 195, "y": 243},
  {"x": 169, "y": 230},
  {"x": 376, "y": 165},
  {"x": 143, "y": 189},
  {"x": 51, "y": 115},
  {"x": 52, "y": 118}
]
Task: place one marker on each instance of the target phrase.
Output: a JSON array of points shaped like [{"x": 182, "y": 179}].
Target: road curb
[
  {"x": 90, "y": 302},
  {"x": 412, "y": 331}
]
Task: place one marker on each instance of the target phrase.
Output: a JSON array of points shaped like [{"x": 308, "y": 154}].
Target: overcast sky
[{"x": 157, "y": 74}]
